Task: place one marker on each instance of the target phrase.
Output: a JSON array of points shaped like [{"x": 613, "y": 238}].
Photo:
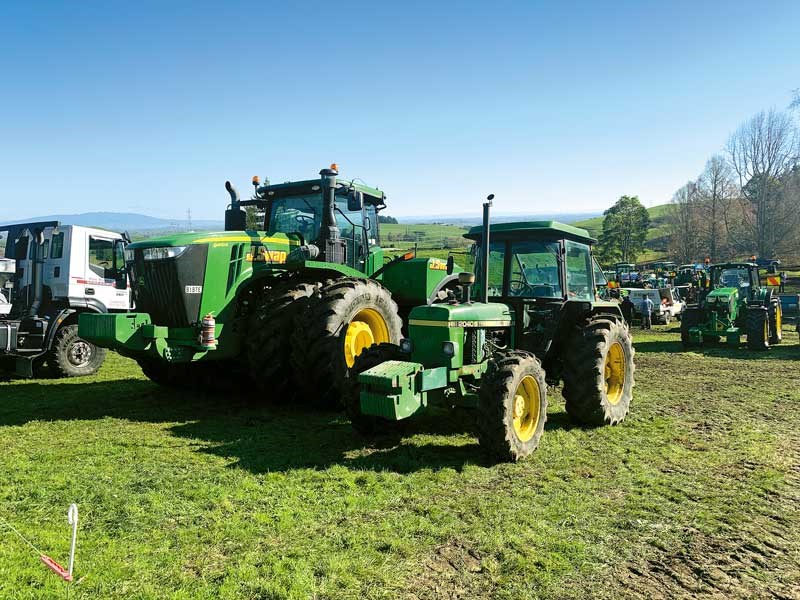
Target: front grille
[{"x": 161, "y": 287}]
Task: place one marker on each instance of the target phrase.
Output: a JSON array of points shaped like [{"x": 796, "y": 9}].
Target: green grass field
[{"x": 697, "y": 494}]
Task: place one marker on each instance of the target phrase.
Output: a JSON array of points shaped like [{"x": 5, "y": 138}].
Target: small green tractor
[
  {"x": 733, "y": 304},
  {"x": 536, "y": 322},
  {"x": 291, "y": 304}
]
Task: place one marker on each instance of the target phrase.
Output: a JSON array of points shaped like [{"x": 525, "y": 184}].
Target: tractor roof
[
  {"x": 522, "y": 230},
  {"x": 306, "y": 186}
]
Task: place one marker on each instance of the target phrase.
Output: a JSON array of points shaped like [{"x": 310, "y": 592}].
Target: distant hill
[
  {"x": 123, "y": 222},
  {"x": 470, "y": 220}
]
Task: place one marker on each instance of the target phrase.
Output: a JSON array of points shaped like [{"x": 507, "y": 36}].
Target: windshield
[
  {"x": 738, "y": 278},
  {"x": 297, "y": 214},
  {"x": 533, "y": 269}
]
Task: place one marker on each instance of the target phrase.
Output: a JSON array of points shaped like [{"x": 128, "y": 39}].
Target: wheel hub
[
  {"x": 79, "y": 353},
  {"x": 614, "y": 373},
  {"x": 526, "y": 408},
  {"x": 368, "y": 327}
]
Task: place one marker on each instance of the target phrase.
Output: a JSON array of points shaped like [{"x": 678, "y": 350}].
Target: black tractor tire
[
  {"x": 512, "y": 406},
  {"x": 692, "y": 317},
  {"x": 72, "y": 356},
  {"x": 321, "y": 357},
  {"x": 757, "y": 328},
  {"x": 598, "y": 372},
  {"x": 351, "y": 391},
  {"x": 775, "y": 322},
  {"x": 269, "y": 330}
]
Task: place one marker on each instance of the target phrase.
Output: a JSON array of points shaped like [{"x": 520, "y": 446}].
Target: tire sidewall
[{"x": 65, "y": 339}]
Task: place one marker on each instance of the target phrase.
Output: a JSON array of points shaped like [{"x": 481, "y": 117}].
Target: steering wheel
[
  {"x": 517, "y": 287},
  {"x": 304, "y": 219}
]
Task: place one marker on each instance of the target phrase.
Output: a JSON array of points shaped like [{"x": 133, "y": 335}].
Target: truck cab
[{"x": 57, "y": 273}]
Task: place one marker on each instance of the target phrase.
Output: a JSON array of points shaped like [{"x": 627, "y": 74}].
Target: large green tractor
[
  {"x": 734, "y": 304},
  {"x": 292, "y": 304},
  {"x": 535, "y": 322}
]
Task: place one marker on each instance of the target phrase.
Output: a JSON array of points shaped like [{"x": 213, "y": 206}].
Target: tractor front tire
[
  {"x": 268, "y": 333},
  {"x": 775, "y": 322},
  {"x": 512, "y": 406},
  {"x": 691, "y": 318},
  {"x": 346, "y": 317},
  {"x": 72, "y": 356},
  {"x": 598, "y": 372},
  {"x": 351, "y": 390},
  {"x": 757, "y": 328}
]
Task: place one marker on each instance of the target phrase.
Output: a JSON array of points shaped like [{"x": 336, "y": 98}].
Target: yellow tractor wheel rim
[
  {"x": 368, "y": 327},
  {"x": 614, "y": 373},
  {"x": 527, "y": 405},
  {"x": 778, "y": 320},
  {"x": 766, "y": 329}
]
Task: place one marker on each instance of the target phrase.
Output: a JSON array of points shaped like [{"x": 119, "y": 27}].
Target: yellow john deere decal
[
  {"x": 247, "y": 238},
  {"x": 437, "y": 265},
  {"x": 264, "y": 255}
]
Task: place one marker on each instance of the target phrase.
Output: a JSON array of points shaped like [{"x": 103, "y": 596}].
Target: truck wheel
[
  {"x": 775, "y": 322},
  {"x": 72, "y": 356},
  {"x": 351, "y": 390},
  {"x": 598, "y": 372},
  {"x": 268, "y": 333},
  {"x": 348, "y": 316},
  {"x": 691, "y": 318},
  {"x": 512, "y": 406},
  {"x": 757, "y": 328}
]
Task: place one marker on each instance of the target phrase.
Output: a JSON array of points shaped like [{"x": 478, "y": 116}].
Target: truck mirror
[
  {"x": 450, "y": 264},
  {"x": 355, "y": 201}
]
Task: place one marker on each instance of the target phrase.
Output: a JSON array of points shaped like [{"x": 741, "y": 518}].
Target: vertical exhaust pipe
[
  {"x": 485, "y": 254},
  {"x": 37, "y": 283}
]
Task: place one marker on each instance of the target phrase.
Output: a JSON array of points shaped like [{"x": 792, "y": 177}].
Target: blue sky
[{"x": 150, "y": 106}]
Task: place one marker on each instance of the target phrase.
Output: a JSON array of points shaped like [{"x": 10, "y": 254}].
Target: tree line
[{"x": 747, "y": 199}]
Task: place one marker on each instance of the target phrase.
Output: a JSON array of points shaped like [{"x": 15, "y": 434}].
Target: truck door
[
  {"x": 102, "y": 274},
  {"x": 56, "y": 266}
]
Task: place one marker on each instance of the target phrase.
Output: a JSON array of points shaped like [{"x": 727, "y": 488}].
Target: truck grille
[{"x": 160, "y": 286}]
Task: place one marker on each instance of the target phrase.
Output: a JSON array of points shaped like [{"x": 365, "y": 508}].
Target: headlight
[
  {"x": 162, "y": 253},
  {"x": 448, "y": 349},
  {"x": 406, "y": 345}
]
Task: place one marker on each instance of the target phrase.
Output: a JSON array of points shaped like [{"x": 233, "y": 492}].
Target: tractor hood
[
  {"x": 477, "y": 314},
  {"x": 257, "y": 238},
  {"x": 722, "y": 295}
]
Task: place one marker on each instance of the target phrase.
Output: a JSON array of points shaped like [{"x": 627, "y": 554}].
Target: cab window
[
  {"x": 101, "y": 257},
  {"x": 579, "y": 272},
  {"x": 57, "y": 246},
  {"x": 534, "y": 270}
]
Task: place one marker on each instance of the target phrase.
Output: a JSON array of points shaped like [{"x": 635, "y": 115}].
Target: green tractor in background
[
  {"x": 291, "y": 305},
  {"x": 536, "y": 322},
  {"x": 734, "y": 304}
]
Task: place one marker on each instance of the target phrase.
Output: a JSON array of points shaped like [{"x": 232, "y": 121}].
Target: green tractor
[
  {"x": 291, "y": 305},
  {"x": 733, "y": 304},
  {"x": 536, "y": 322}
]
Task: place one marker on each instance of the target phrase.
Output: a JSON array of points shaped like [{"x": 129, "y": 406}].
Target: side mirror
[
  {"x": 355, "y": 201},
  {"x": 450, "y": 264}
]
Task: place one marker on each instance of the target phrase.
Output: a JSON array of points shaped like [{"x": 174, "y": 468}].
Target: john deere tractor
[
  {"x": 535, "y": 322},
  {"x": 733, "y": 304},
  {"x": 292, "y": 304}
]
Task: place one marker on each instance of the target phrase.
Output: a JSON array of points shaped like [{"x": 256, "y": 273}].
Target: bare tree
[
  {"x": 685, "y": 239},
  {"x": 716, "y": 193},
  {"x": 763, "y": 153}
]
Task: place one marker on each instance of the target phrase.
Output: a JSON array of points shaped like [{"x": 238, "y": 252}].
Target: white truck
[
  {"x": 667, "y": 304},
  {"x": 59, "y": 272},
  {"x": 7, "y": 269}
]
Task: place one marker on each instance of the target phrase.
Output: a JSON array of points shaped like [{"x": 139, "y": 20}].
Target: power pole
[{"x": 189, "y": 217}]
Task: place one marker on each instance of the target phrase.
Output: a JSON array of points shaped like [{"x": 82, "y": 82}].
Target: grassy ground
[{"x": 697, "y": 494}]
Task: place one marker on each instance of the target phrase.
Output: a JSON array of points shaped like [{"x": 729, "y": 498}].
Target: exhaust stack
[{"x": 484, "y": 292}]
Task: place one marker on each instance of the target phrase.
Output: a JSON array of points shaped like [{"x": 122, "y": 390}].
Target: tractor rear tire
[
  {"x": 72, "y": 356},
  {"x": 598, "y": 372},
  {"x": 757, "y": 328},
  {"x": 166, "y": 374},
  {"x": 512, "y": 406},
  {"x": 345, "y": 317},
  {"x": 268, "y": 333},
  {"x": 691, "y": 318},
  {"x": 351, "y": 391},
  {"x": 775, "y": 322}
]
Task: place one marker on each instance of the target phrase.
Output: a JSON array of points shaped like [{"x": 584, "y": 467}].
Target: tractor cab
[{"x": 740, "y": 276}]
